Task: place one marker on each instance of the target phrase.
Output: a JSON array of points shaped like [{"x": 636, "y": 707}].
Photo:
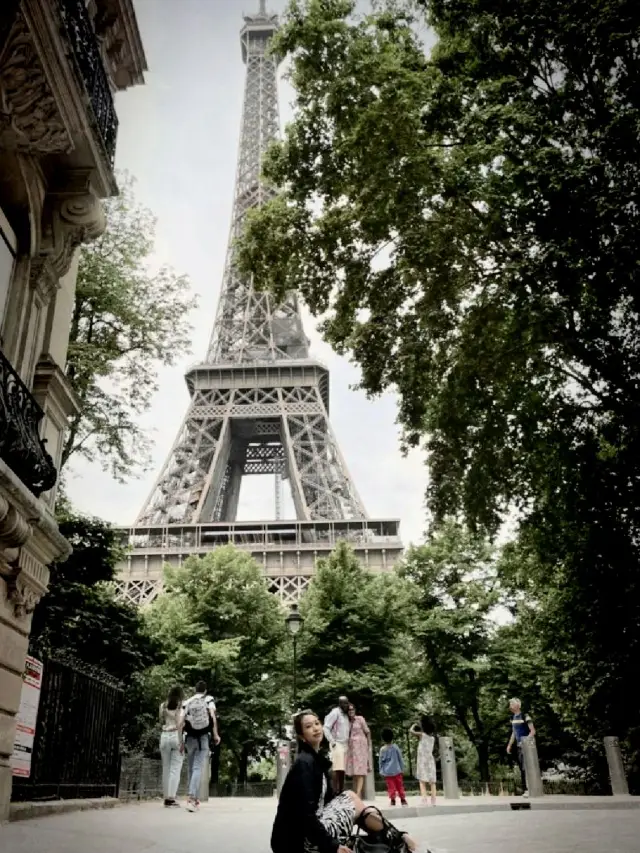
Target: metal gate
[{"x": 76, "y": 747}]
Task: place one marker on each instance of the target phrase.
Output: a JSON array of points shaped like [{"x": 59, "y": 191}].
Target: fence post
[
  {"x": 619, "y": 786},
  {"x": 532, "y": 767},
  {"x": 448, "y": 767}
]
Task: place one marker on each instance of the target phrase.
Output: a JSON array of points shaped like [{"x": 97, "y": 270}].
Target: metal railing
[
  {"x": 20, "y": 444},
  {"x": 141, "y": 779},
  {"x": 76, "y": 747},
  {"x": 91, "y": 69}
]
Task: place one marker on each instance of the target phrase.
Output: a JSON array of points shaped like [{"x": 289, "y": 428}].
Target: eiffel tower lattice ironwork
[{"x": 259, "y": 405}]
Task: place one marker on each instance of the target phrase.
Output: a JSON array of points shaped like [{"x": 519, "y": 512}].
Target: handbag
[{"x": 389, "y": 839}]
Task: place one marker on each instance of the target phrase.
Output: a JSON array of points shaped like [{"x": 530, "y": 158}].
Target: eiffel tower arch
[{"x": 259, "y": 405}]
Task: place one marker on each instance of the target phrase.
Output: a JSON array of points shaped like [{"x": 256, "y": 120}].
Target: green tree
[
  {"x": 217, "y": 621},
  {"x": 467, "y": 224},
  {"x": 568, "y": 614},
  {"x": 455, "y": 592},
  {"x": 353, "y": 641},
  {"x": 80, "y": 616},
  {"x": 127, "y": 320}
]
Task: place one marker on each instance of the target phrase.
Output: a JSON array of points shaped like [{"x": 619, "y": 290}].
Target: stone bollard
[
  {"x": 283, "y": 763},
  {"x": 619, "y": 786},
  {"x": 532, "y": 767},
  {"x": 448, "y": 767},
  {"x": 369, "y": 790}
]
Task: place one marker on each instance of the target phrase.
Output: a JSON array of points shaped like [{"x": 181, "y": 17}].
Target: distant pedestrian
[
  {"x": 426, "y": 763},
  {"x": 199, "y": 725},
  {"x": 358, "y": 750},
  {"x": 336, "y": 730},
  {"x": 171, "y": 745},
  {"x": 392, "y": 767},
  {"x": 521, "y": 727}
]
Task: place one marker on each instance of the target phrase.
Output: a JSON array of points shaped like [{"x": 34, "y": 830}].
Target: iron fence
[
  {"x": 76, "y": 747},
  {"x": 141, "y": 779}
]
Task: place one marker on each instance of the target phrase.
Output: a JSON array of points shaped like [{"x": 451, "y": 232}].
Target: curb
[
  {"x": 27, "y": 811},
  {"x": 542, "y": 804}
]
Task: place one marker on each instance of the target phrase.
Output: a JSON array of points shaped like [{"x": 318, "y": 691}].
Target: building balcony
[
  {"x": 61, "y": 61},
  {"x": 21, "y": 447},
  {"x": 88, "y": 63}
]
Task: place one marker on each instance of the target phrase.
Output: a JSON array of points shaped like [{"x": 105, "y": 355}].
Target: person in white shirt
[
  {"x": 199, "y": 724},
  {"x": 336, "y": 730},
  {"x": 171, "y": 744}
]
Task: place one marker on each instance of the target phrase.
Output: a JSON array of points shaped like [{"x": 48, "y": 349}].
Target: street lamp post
[{"x": 294, "y": 622}]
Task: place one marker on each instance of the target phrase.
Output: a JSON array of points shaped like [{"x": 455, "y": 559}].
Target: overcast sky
[{"x": 178, "y": 137}]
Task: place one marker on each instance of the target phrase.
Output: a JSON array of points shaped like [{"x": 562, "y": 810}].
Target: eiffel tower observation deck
[{"x": 259, "y": 405}]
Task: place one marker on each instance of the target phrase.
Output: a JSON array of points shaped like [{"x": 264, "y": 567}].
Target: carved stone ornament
[
  {"x": 72, "y": 216},
  {"x": 22, "y": 595},
  {"x": 14, "y": 532},
  {"x": 30, "y": 121}
]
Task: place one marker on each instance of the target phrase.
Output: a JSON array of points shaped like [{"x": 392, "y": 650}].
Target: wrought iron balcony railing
[
  {"x": 21, "y": 448},
  {"x": 90, "y": 66}
]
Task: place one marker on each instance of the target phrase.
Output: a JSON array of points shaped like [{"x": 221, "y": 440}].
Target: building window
[{"x": 8, "y": 248}]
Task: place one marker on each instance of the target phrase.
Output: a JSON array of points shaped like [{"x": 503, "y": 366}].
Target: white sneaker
[
  {"x": 525, "y": 794},
  {"x": 191, "y": 806}
]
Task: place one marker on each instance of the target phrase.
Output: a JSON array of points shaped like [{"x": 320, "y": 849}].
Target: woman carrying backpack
[
  {"x": 171, "y": 746},
  {"x": 199, "y": 724}
]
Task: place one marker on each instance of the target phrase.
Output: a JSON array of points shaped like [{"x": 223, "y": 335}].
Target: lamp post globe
[
  {"x": 294, "y": 620},
  {"x": 294, "y": 623}
]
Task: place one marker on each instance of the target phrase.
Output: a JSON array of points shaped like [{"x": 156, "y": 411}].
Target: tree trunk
[
  {"x": 482, "y": 748},
  {"x": 215, "y": 764},
  {"x": 243, "y": 763}
]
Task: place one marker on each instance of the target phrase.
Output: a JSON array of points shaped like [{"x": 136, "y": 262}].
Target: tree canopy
[
  {"x": 80, "y": 616},
  {"x": 454, "y": 593},
  {"x": 354, "y": 640},
  {"x": 466, "y": 224},
  {"x": 127, "y": 320},
  {"x": 216, "y": 620}
]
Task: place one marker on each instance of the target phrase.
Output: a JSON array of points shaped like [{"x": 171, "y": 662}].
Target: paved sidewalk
[
  {"x": 476, "y": 805},
  {"x": 243, "y": 826}
]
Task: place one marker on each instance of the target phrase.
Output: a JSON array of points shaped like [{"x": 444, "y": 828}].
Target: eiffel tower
[{"x": 259, "y": 405}]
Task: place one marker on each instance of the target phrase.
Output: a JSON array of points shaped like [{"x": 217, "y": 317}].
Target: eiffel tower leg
[
  {"x": 232, "y": 492},
  {"x": 213, "y": 487},
  {"x": 321, "y": 485},
  {"x": 178, "y": 490},
  {"x": 297, "y": 492}
]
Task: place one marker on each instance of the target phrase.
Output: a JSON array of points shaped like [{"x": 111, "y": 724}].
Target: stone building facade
[{"x": 61, "y": 62}]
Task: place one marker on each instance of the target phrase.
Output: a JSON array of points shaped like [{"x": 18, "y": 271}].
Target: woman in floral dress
[
  {"x": 358, "y": 750},
  {"x": 426, "y": 763}
]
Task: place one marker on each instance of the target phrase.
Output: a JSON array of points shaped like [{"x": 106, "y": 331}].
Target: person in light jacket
[{"x": 391, "y": 766}]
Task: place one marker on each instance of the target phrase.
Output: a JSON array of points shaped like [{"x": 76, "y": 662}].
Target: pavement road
[{"x": 244, "y": 826}]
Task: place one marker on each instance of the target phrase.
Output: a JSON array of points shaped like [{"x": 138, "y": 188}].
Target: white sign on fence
[{"x": 26, "y": 718}]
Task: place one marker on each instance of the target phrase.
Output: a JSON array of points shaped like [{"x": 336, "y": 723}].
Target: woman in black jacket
[{"x": 310, "y": 819}]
